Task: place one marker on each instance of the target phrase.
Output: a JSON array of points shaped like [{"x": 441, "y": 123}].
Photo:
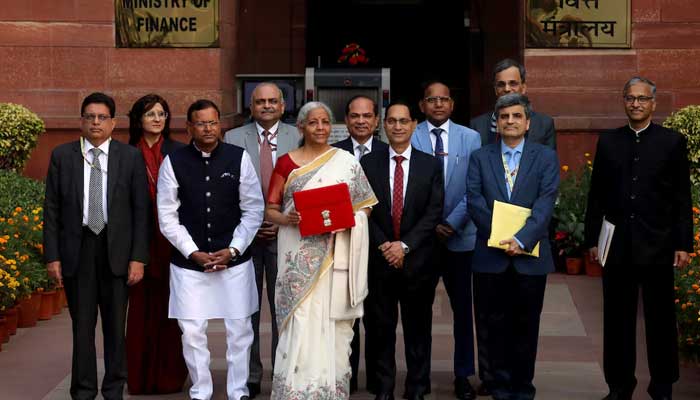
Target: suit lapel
[
  {"x": 526, "y": 161},
  {"x": 499, "y": 174},
  {"x": 413, "y": 169},
  {"x": 113, "y": 160},
  {"x": 77, "y": 172},
  {"x": 454, "y": 148},
  {"x": 285, "y": 141},
  {"x": 251, "y": 145},
  {"x": 426, "y": 145}
]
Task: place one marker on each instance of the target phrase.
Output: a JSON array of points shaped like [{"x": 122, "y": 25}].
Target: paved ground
[{"x": 36, "y": 362}]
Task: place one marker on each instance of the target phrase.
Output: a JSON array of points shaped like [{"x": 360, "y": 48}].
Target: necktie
[
  {"x": 397, "y": 199},
  {"x": 439, "y": 148},
  {"x": 512, "y": 161},
  {"x": 96, "y": 219},
  {"x": 362, "y": 149},
  {"x": 265, "y": 163}
]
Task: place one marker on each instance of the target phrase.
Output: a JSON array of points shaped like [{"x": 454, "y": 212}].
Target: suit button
[
  {"x": 208, "y": 225},
  {"x": 634, "y": 179},
  {"x": 206, "y": 162},
  {"x": 208, "y": 194},
  {"x": 208, "y": 209},
  {"x": 632, "y": 216},
  {"x": 636, "y": 159},
  {"x": 208, "y": 239},
  {"x": 638, "y": 140},
  {"x": 632, "y": 197},
  {"x": 206, "y": 179}
]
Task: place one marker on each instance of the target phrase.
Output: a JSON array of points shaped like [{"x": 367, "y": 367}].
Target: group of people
[{"x": 185, "y": 233}]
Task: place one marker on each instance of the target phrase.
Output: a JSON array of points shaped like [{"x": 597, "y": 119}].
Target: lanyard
[
  {"x": 84, "y": 154},
  {"x": 510, "y": 175}
]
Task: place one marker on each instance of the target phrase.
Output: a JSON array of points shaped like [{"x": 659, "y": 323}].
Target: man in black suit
[
  {"x": 640, "y": 184},
  {"x": 509, "y": 77},
  {"x": 409, "y": 186},
  {"x": 96, "y": 232},
  {"x": 361, "y": 119}
]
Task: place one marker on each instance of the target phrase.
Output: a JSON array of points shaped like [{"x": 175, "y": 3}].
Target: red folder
[{"x": 324, "y": 209}]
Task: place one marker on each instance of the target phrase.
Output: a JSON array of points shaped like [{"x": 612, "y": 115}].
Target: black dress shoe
[
  {"x": 416, "y": 397},
  {"x": 483, "y": 390},
  {"x": 614, "y": 395},
  {"x": 253, "y": 389},
  {"x": 384, "y": 396},
  {"x": 464, "y": 389}
]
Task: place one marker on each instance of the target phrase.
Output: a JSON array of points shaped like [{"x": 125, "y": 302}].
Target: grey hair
[
  {"x": 308, "y": 107},
  {"x": 261, "y": 84},
  {"x": 638, "y": 79},
  {"x": 508, "y": 63},
  {"x": 513, "y": 99}
]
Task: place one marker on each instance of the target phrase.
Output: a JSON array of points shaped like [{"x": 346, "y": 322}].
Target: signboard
[
  {"x": 578, "y": 24},
  {"x": 167, "y": 23}
]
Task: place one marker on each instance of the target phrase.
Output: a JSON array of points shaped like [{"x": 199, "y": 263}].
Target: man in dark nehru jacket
[
  {"x": 96, "y": 231},
  {"x": 640, "y": 184},
  {"x": 361, "y": 119},
  {"x": 509, "y": 77},
  {"x": 210, "y": 207}
]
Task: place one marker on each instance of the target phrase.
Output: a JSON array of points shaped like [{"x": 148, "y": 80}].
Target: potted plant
[{"x": 569, "y": 214}]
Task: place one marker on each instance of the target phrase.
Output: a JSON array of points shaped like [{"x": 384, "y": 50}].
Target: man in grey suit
[
  {"x": 509, "y": 77},
  {"x": 265, "y": 139}
]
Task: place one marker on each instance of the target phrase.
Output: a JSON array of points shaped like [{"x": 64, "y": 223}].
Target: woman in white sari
[{"x": 317, "y": 298}]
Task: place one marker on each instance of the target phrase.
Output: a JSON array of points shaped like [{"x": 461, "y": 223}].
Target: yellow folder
[{"x": 507, "y": 220}]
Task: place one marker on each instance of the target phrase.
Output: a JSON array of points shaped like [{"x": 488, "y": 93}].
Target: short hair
[
  {"x": 430, "y": 83},
  {"x": 99, "y": 98},
  {"x": 509, "y": 63},
  {"x": 513, "y": 99},
  {"x": 638, "y": 79},
  {"x": 401, "y": 102},
  {"x": 202, "y": 104},
  {"x": 141, "y": 107},
  {"x": 375, "y": 108},
  {"x": 267, "y": 83},
  {"x": 308, "y": 107}
]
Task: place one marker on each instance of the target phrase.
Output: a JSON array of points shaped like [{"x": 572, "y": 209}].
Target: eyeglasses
[
  {"x": 151, "y": 115},
  {"x": 91, "y": 117},
  {"x": 640, "y": 99},
  {"x": 394, "y": 121},
  {"x": 203, "y": 124},
  {"x": 437, "y": 99},
  {"x": 503, "y": 84}
]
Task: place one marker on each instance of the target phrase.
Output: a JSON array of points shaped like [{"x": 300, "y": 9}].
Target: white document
[{"x": 604, "y": 240}]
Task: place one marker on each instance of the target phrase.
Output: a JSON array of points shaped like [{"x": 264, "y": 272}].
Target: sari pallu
[{"x": 312, "y": 358}]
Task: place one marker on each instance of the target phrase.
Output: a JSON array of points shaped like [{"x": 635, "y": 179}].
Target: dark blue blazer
[{"x": 535, "y": 188}]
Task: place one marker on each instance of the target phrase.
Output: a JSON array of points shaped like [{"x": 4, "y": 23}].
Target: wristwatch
[
  {"x": 406, "y": 249},
  {"x": 234, "y": 253}
]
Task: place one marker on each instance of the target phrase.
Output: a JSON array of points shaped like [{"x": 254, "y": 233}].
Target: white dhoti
[{"x": 196, "y": 297}]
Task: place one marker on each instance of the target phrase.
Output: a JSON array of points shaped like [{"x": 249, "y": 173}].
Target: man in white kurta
[{"x": 210, "y": 206}]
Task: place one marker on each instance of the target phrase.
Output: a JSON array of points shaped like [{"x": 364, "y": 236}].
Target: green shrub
[
  {"x": 19, "y": 132},
  {"x": 686, "y": 121},
  {"x": 19, "y": 191}
]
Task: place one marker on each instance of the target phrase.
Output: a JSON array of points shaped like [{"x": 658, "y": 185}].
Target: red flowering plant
[
  {"x": 570, "y": 209},
  {"x": 353, "y": 54},
  {"x": 687, "y": 287}
]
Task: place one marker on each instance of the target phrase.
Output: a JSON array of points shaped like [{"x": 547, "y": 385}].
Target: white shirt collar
[
  {"x": 445, "y": 126},
  {"x": 641, "y": 130},
  {"x": 406, "y": 154},
  {"x": 87, "y": 146},
  {"x": 368, "y": 144},
  {"x": 260, "y": 129}
]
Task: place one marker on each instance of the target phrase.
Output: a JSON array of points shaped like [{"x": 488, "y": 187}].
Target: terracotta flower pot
[
  {"x": 574, "y": 265},
  {"x": 593, "y": 268},
  {"x": 11, "y": 316},
  {"x": 4, "y": 334},
  {"x": 46, "y": 305},
  {"x": 57, "y": 302},
  {"x": 27, "y": 315}
]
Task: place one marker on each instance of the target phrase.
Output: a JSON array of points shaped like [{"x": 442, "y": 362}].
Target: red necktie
[
  {"x": 397, "y": 200},
  {"x": 265, "y": 163}
]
